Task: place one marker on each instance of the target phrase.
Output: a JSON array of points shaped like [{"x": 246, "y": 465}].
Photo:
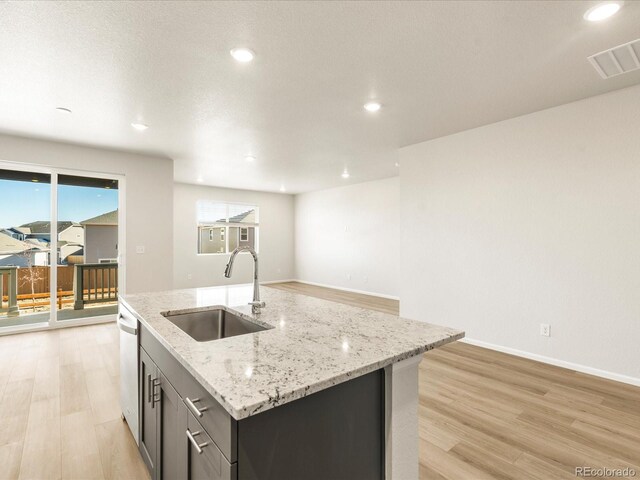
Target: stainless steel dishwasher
[{"x": 128, "y": 325}]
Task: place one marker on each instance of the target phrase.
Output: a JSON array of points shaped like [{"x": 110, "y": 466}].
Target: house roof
[
  {"x": 109, "y": 218},
  {"x": 245, "y": 217},
  {"x": 10, "y": 245},
  {"x": 44, "y": 227},
  {"x": 15, "y": 230}
]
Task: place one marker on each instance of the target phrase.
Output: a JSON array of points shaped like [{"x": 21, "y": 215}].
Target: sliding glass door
[
  {"x": 59, "y": 243},
  {"x": 87, "y": 283},
  {"x": 25, "y": 254}
]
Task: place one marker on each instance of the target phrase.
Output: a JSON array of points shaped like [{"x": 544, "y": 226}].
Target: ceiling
[{"x": 437, "y": 68}]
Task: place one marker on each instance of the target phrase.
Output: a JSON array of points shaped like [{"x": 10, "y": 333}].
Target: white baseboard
[
  {"x": 352, "y": 290},
  {"x": 269, "y": 282},
  {"x": 553, "y": 361}
]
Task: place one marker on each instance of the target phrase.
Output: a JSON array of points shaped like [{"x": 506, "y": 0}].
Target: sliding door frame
[{"x": 54, "y": 172}]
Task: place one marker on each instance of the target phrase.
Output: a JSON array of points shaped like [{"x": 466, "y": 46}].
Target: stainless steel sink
[{"x": 209, "y": 325}]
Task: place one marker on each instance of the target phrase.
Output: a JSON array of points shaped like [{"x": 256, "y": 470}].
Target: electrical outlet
[
  {"x": 545, "y": 329},
  {"x": 189, "y": 276},
  {"x": 140, "y": 249},
  {"x": 348, "y": 276}
]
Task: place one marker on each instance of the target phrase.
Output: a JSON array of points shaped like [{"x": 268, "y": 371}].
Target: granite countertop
[{"x": 314, "y": 344}]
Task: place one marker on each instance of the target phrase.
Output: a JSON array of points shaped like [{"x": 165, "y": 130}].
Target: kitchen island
[{"x": 322, "y": 390}]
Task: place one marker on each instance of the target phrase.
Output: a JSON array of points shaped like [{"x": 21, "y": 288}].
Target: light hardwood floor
[
  {"x": 489, "y": 415},
  {"x": 483, "y": 414},
  {"x": 59, "y": 407}
]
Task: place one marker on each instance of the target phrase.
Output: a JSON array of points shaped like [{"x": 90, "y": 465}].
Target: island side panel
[
  {"x": 401, "y": 422},
  {"x": 337, "y": 433}
]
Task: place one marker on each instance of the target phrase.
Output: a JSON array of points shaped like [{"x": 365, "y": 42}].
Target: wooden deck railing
[
  {"x": 9, "y": 277},
  {"x": 94, "y": 283}
]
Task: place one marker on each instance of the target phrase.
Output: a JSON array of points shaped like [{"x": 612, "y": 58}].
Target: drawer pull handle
[
  {"x": 191, "y": 404},
  {"x": 191, "y": 437}
]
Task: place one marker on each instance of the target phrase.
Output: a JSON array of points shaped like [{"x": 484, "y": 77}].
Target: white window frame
[
  {"x": 244, "y": 231},
  {"x": 54, "y": 172}
]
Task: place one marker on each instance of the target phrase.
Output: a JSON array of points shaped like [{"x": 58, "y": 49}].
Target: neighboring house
[
  {"x": 73, "y": 234},
  {"x": 213, "y": 238},
  {"x": 101, "y": 238},
  {"x": 16, "y": 253},
  {"x": 40, "y": 230},
  {"x": 16, "y": 232},
  {"x": 71, "y": 253},
  {"x": 70, "y": 236}
]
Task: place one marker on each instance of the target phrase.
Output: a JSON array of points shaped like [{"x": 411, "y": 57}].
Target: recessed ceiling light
[
  {"x": 200, "y": 179},
  {"x": 139, "y": 126},
  {"x": 602, "y": 11},
  {"x": 242, "y": 55},
  {"x": 63, "y": 109},
  {"x": 345, "y": 174},
  {"x": 397, "y": 164},
  {"x": 282, "y": 189},
  {"x": 249, "y": 158},
  {"x": 372, "y": 106}
]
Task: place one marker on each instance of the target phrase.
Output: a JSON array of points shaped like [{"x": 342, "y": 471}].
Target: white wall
[
  {"x": 348, "y": 237},
  {"x": 527, "y": 221},
  {"x": 149, "y": 197},
  {"x": 275, "y": 242}
]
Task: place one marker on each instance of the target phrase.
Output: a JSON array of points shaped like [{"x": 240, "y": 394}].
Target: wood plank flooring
[
  {"x": 371, "y": 302},
  {"x": 483, "y": 414},
  {"x": 489, "y": 415},
  {"x": 60, "y": 408}
]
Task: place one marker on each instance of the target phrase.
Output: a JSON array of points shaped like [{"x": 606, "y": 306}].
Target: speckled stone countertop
[{"x": 312, "y": 345}]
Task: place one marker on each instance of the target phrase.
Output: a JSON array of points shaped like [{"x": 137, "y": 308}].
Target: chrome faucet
[{"x": 256, "y": 305}]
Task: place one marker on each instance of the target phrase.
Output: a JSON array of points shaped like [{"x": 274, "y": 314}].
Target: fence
[
  {"x": 88, "y": 283},
  {"x": 94, "y": 283}
]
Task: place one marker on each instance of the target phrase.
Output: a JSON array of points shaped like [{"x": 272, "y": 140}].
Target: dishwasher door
[{"x": 128, "y": 326}]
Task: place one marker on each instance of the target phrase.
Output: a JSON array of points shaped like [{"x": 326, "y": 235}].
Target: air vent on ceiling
[{"x": 617, "y": 60}]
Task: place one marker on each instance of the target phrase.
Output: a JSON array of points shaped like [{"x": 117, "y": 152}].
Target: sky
[{"x": 24, "y": 202}]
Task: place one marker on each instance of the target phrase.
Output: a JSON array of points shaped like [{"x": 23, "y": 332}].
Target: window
[{"x": 224, "y": 226}]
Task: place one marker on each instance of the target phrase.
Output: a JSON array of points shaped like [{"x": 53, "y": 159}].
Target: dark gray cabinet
[
  {"x": 160, "y": 421},
  {"x": 204, "y": 461},
  {"x": 170, "y": 430},
  {"x": 186, "y": 434},
  {"x": 148, "y": 419}
]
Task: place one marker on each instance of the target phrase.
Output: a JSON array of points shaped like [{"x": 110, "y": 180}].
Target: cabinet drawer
[
  {"x": 215, "y": 419},
  {"x": 205, "y": 460},
  {"x": 219, "y": 425}
]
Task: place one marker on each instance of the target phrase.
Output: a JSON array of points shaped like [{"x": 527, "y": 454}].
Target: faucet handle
[{"x": 256, "y": 306}]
